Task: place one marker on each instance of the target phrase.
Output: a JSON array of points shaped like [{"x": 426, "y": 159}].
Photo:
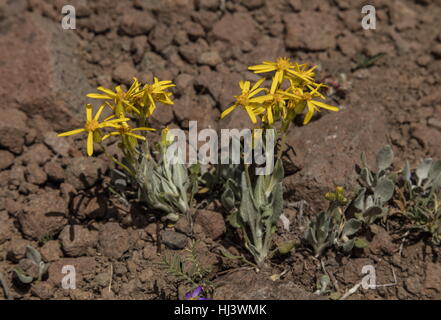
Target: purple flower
[{"x": 195, "y": 294}]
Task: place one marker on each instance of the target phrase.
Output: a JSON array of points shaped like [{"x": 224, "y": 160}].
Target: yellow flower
[
  {"x": 166, "y": 137},
  {"x": 152, "y": 93},
  {"x": 123, "y": 100},
  {"x": 246, "y": 100},
  {"x": 275, "y": 103},
  {"x": 124, "y": 129},
  {"x": 283, "y": 68},
  {"x": 92, "y": 125},
  {"x": 305, "y": 99},
  {"x": 303, "y": 75},
  {"x": 337, "y": 196}
]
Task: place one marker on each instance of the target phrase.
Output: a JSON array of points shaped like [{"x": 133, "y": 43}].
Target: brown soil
[{"x": 55, "y": 198}]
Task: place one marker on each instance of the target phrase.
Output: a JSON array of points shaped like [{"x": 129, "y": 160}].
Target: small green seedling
[
  {"x": 378, "y": 187},
  {"x": 331, "y": 228},
  {"x": 32, "y": 268},
  {"x": 419, "y": 200}
]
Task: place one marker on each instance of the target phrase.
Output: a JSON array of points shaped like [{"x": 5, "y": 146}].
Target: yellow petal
[
  {"x": 98, "y": 96},
  {"x": 134, "y": 135},
  {"x": 89, "y": 112},
  {"x": 270, "y": 69},
  {"x": 269, "y": 113},
  {"x": 97, "y": 115},
  {"x": 116, "y": 120},
  {"x": 152, "y": 106},
  {"x": 276, "y": 81},
  {"x": 259, "y": 110},
  {"x": 251, "y": 114},
  {"x": 297, "y": 74},
  {"x": 309, "y": 114},
  {"x": 260, "y": 67},
  {"x": 228, "y": 111},
  {"x": 110, "y": 124},
  {"x": 133, "y": 87},
  {"x": 324, "y": 105},
  {"x": 109, "y": 118},
  {"x": 291, "y": 95},
  {"x": 246, "y": 86},
  {"x": 261, "y": 99},
  {"x": 115, "y": 133},
  {"x": 257, "y": 84},
  {"x": 254, "y": 92},
  {"x": 90, "y": 144},
  {"x": 69, "y": 133},
  {"x": 108, "y": 91}
]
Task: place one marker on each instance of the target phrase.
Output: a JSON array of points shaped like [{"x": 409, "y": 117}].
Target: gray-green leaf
[
  {"x": 351, "y": 227},
  {"x": 385, "y": 157},
  {"x": 33, "y": 255},
  {"x": 23, "y": 277},
  {"x": 423, "y": 169},
  {"x": 371, "y": 214},
  {"x": 384, "y": 190}
]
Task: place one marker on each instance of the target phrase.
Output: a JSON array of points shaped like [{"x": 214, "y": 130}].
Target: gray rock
[
  {"x": 58, "y": 145},
  {"x": 6, "y": 159},
  {"x": 320, "y": 36},
  {"x": 212, "y": 222},
  {"x": 113, "y": 240},
  {"x": 49, "y": 56},
  {"x": 16, "y": 249},
  {"x": 211, "y": 58},
  {"x": 236, "y": 28},
  {"x": 135, "y": 23},
  {"x": 35, "y": 174},
  {"x": 174, "y": 240},
  {"x": 44, "y": 214},
  {"x": 244, "y": 285},
  {"x": 84, "y": 172},
  {"x": 124, "y": 73},
  {"x": 76, "y": 240}
]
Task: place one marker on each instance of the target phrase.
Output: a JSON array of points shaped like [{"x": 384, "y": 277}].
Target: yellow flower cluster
[
  {"x": 292, "y": 91},
  {"x": 337, "y": 196},
  {"x": 138, "y": 102}
]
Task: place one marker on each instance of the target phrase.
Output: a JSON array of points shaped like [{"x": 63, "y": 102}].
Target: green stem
[
  {"x": 112, "y": 158},
  {"x": 284, "y": 132}
]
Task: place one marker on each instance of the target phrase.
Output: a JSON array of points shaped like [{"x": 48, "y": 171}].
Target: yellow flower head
[
  {"x": 305, "y": 99},
  {"x": 302, "y": 77},
  {"x": 166, "y": 137},
  {"x": 123, "y": 101},
  {"x": 284, "y": 68},
  {"x": 337, "y": 196},
  {"x": 281, "y": 101},
  {"x": 275, "y": 104},
  {"x": 248, "y": 100},
  {"x": 155, "y": 92},
  {"x": 92, "y": 126}
]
